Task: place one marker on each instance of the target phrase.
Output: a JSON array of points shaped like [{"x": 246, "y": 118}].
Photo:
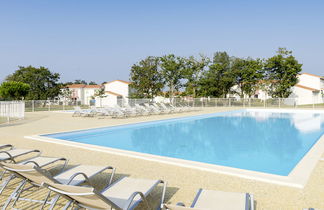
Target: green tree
[
  {"x": 101, "y": 94},
  {"x": 92, "y": 83},
  {"x": 79, "y": 81},
  {"x": 282, "y": 70},
  {"x": 219, "y": 79},
  {"x": 43, "y": 83},
  {"x": 172, "y": 69},
  {"x": 194, "y": 69},
  {"x": 14, "y": 90},
  {"x": 146, "y": 78},
  {"x": 248, "y": 73}
]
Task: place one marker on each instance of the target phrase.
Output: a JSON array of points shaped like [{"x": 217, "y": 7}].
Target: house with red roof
[
  {"x": 116, "y": 92},
  {"x": 309, "y": 89},
  {"x": 81, "y": 92}
]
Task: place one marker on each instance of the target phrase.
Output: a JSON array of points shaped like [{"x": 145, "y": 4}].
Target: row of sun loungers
[
  {"x": 125, "y": 193},
  {"x": 128, "y": 111}
]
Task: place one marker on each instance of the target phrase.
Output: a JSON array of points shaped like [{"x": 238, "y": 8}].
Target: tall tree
[
  {"x": 79, "y": 81},
  {"x": 43, "y": 83},
  {"x": 146, "y": 78},
  {"x": 92, "y": 83},
  {"x": 194, "y": 69},
  {"x": 219, "y": 79},
  {"x": 172, "y": 72},
  {"x": 14, "y": 90},
  {"x": 282, "y": 70},
  {"x": 248, "y": 73}
]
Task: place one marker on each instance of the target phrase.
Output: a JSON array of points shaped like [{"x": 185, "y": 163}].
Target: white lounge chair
[
  {"x": 40, "y": 161},
  {"x": 213, "y": 200},
  {"x": 142, "y": 110},
  {"x": 152, "y": 109},
  {"x": 124, "y": 194},
  {"x": 78, "y": 112},
  {"x": 36, "y": 176},
  {"x": 6, "y": 146},
  {"x": 13, "y": 154},
  {"x": 162, "y": 109}
]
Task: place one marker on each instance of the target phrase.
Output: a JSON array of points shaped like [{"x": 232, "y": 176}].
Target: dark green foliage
[
  {"x": 248, "y": 75},
  {"x": 219, "y": 79},
  {"x": 43, "y": 83},
  {"x": 146, "y": 78},
  {"x": 194, "y": 69},
  {"x": 14, "y": 90},
  {"x": 282, "y": 70},
  {"x": 172, "y": 69}
]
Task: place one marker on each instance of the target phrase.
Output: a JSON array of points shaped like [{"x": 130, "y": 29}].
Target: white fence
[
  {"x": 55, "y": 105},
  {"x": 12, "y": 110}
]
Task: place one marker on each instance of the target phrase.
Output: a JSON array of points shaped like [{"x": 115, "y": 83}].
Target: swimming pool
[{"x": 258, "y": 140}]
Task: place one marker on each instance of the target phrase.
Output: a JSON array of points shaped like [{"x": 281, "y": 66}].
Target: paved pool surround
[{"x": 183, "y": 182}]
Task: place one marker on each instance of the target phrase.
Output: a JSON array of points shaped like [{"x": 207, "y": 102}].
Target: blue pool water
[{"x": 257, "y": 140}]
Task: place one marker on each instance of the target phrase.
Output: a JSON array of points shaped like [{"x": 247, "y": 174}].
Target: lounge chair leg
[
  {"x": 19, "y": 192},
  {"x": 163, "y": 194},
  {"x": 46, "y": 199},
  {"x": 54, "y": 202},
  {"x": 13, "y": 195},
  {"x": 67, "y": 205},
  {"x": 5, "y": 183},
  {"x": 3, "y": 173}
]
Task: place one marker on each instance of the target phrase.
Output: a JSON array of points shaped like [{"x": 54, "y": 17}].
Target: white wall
[
  {"x": 117, "y": 87},
  {"x": 88, "y": 93},
  {"x": 110, "y": 101},
  {"x": 310, "y": 81},
  {"x": 302, "y": 95},
  {"x": 77, "y": 92}
]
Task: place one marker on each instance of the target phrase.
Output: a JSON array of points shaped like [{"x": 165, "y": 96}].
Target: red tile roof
[
  {"x": 82, "y": 86},
  {"x": 307, "y": 88},
  {"x": 92, "y": 86},
  {"x": 119, "y": 81},
  {"x": 113, "y": 93},
  {"x": 311, "y": 75},
  {"x": 76, "y": 86}
]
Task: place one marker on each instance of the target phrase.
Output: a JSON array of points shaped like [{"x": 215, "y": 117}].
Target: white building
[
  {"x": 308, "y": 90},
  {"x": 116, "y": 91},
  {"x": 81, "y": 92}
]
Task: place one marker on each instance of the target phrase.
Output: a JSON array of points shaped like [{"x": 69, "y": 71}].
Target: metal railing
[
  {"x": 225, "y": 102},
  {"x": 59, "y": 105},
  {"x": 51, "y": 105},
  {"x": 11, "y": 110}
]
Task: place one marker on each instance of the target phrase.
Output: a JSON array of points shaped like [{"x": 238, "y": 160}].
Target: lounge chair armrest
[
  {"x": 9, "y": 155},
  {"x": 77, "y": 174},
  {"x": 180, "y": 204},
  {"x": 131, "y": 198},
  {"x": 7, "y": 146},
  {"x": 31, "y": 161},
  {"x": 112, "y": 174}
]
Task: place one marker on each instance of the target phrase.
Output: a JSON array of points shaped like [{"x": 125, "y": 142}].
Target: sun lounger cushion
[
  {"x": 120, "y": 191},
  {"x": 88, "y": 170},
  {"x": 40, "y": 160},
  {"x": 211, "y": 199},
  {"x": 14, "y": 153}
]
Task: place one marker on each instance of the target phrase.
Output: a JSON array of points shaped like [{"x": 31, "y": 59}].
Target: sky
[{"x": 100, "y": 40}]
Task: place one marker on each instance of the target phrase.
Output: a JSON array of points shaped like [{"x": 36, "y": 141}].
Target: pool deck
[{"x": 183, "y": 182}]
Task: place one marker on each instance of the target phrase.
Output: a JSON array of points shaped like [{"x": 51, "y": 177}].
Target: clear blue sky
[{"x": 100, "y": 40}]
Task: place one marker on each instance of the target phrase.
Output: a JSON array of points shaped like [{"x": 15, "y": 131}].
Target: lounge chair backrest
[
  {"x": 176, "y": 207},
  {"x": 29, "y": 171},
  {"x": 85, "y": 196}
]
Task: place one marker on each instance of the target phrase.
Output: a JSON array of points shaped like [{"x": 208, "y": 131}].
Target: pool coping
[{"x": 297, "y": 178}]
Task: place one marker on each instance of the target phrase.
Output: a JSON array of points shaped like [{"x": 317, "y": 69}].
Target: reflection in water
[
  {"x": 274, "y": 144},
  {"x": 254, "y": 140}
]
